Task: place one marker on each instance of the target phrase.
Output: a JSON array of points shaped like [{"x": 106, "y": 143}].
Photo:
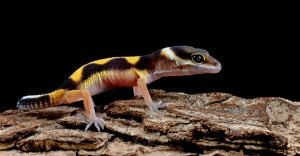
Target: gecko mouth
[
  {"x": 210, "y": 69},
  {"x": 215, "y": 69},
  {"x": 188, "y": 70}
]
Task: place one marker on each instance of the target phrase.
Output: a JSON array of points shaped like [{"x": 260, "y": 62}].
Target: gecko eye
[{"x": 198, "y": 58}]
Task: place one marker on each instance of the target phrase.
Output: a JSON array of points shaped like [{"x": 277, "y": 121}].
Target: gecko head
[{"x": 187, "y": 60}]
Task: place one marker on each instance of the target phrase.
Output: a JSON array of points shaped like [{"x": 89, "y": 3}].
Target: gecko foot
[
  {"x": 154, "y": 108},
  {"x": 160, "y": 105},
  {"x": 98, "y": 122}
]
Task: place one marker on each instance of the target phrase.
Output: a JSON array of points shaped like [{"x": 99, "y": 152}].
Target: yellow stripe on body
[
  {"x": 96, "y": 77},
  {"x": 103, "y": 61},
  {"x": 76, "y": 76},
  {"x": 133, "y": 59},
  {"x": 108, "y": 74},
  {"x": 115, "y": 78}
]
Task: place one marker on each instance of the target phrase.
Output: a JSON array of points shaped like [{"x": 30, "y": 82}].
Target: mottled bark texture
[{"x": 207, "y": 123}]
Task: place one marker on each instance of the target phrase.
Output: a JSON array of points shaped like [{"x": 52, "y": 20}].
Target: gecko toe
[
  {"x": 160, "y": 105},
  {"x": 97, "y": 126},
  {"x": 156, "y": 106},
  {"x": 98, "y": 123},
  {"x": 88, "y": 125},
  {"x": 154, "y": 109}
]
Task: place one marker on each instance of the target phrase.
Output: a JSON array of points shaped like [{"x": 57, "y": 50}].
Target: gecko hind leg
[
  {"x": 89, "y": 107},
  {"x": 154, "y": 107},
  {"x": 78, "y": 95}
]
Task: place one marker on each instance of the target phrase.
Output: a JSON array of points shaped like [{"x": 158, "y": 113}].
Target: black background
[{"x": 258, "y": 47}]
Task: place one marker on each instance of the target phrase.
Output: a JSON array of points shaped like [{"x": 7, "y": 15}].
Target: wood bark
[{"x": 198, "y": 124}]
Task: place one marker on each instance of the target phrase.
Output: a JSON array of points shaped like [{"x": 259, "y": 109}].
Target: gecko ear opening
[{"x": 198, "y": 58}]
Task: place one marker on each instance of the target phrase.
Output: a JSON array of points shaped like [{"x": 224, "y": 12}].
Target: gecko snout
[
  {"x": 218, "y": 66},
  {"x": 215, "y": 67}
]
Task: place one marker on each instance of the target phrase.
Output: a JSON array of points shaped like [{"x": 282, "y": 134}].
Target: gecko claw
[
  {"x": 97, "y": 126},
  {"x": 98, "y": 123},
  {"x": 160, "y": 105},
  {"x": 88, "y": 125}
]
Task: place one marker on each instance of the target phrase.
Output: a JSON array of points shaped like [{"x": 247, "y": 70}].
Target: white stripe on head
[{"x": 169, "y": 53}]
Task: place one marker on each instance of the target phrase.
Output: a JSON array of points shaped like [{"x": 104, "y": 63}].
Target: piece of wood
[{"x": 207, "y": 123}]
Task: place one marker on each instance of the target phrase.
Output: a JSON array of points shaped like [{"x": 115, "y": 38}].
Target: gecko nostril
[{"x": 217, "y": 64}]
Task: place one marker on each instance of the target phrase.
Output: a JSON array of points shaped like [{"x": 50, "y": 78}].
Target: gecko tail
[{"x": 41, "y": 101}]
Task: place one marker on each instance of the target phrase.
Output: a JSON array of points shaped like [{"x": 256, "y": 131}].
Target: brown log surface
[{"x": 206, "y": 123}]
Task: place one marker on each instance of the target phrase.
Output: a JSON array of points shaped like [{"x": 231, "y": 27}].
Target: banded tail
[{"x": 41, "y": 101}]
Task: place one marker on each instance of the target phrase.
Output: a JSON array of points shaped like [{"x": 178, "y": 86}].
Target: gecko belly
[
  {"x": 126, "y": 78},
  {"x": 104, "y": 81}
]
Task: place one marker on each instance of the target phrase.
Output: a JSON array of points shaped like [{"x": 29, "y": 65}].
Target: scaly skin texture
[{"x": 134, "y": 71}]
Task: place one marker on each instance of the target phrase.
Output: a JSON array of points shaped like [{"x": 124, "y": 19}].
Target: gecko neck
[{"x": 162, "y": 66}]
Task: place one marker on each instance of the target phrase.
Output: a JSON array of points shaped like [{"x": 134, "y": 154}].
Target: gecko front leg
[
  {"x": 136, "y": 91},
  {"x": 143, "y": 90}
]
